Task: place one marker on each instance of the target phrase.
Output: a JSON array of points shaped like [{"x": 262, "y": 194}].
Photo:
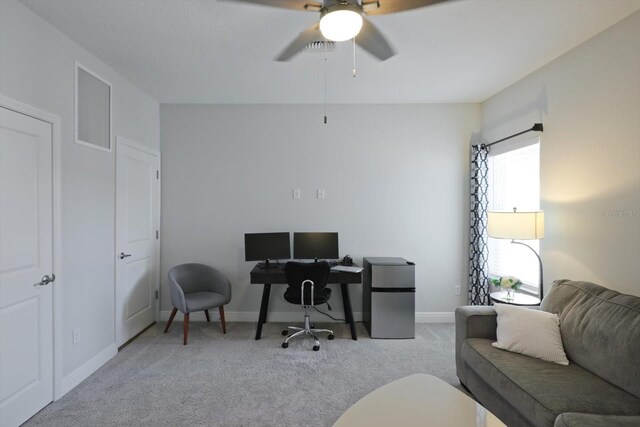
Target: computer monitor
[
  {"x": 266, "y": 247},
  {"x": 315, "y": 246}
]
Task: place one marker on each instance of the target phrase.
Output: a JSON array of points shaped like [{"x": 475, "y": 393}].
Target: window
[{"x": 514, "y": 181}]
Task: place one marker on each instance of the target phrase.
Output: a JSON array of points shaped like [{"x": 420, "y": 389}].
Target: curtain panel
[{"x": 478, "y": 253}]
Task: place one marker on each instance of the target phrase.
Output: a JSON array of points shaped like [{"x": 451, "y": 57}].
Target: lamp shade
[{"x": 516, "y": 225}]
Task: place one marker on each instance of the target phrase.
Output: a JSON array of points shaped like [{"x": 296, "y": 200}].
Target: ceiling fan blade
[
  {"x": 380, "y": 7},
  {"x": 309, "y": 35},
  {"x": 372, "y": 40},
  {"x": 303, "y": 5}
]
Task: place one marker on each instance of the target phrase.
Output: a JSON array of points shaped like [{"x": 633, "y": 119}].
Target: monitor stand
[{"x": 269, "y": 264}]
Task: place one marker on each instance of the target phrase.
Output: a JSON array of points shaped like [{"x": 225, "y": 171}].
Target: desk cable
[{"x": 327, "y": 314}]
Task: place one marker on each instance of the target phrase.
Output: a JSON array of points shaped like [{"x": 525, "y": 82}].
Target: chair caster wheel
[
  {"x": 331, "y": 337},
  {"x": 285, "y": 333},
  {"x": 285, "y": 344},
  {"x": 313, "y": 325},
  {"x": 316, "y": 347}
]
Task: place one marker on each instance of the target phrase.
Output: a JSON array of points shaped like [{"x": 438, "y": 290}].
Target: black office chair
[{"x": 307, "y": 287}]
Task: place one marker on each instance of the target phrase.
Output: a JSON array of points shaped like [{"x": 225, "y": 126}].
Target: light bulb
[{"x": 341, "y": 25}]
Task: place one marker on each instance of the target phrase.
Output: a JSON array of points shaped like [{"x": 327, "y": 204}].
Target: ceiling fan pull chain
[
  {"x": 354, "y": 57},
  {"x": 325, "y": 82}
]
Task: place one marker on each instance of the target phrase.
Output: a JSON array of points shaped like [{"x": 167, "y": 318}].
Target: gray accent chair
[
  {"x": 197, "y": 287},
  {"x": 600, "y": 331}
]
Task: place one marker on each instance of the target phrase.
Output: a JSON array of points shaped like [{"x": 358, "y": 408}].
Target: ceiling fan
[{"x": 342, "y": 20}]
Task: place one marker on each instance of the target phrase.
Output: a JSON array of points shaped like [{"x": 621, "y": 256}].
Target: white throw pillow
[{"x": 531, "y": 332}]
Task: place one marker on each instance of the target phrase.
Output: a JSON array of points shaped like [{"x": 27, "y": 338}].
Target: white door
[
  {"x": 26, "y": 256},
  {"x": 137, "y": 234}
]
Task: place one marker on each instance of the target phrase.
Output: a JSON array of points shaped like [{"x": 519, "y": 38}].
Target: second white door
[{"x": 137, "y": 238}]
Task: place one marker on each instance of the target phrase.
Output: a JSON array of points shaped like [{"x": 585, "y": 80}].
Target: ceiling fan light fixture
[{"x": 341, "y": 22}]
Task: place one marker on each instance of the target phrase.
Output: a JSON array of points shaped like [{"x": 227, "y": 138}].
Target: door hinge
[
  {"x": 156, "y": 294},
  {"x": 157, "y": 234},
  {"x": 157, "y": 174}
]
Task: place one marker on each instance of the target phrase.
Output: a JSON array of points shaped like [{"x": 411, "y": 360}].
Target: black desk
[{"x": 273, "y": 276}]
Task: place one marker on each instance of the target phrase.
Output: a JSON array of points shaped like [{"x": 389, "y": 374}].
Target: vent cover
[
  {"x": 93, "y": 110},
  {"x": 320, "y": 46}
]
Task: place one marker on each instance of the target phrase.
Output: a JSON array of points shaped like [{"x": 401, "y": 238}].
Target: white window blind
[{"x": 514, "y": 181}]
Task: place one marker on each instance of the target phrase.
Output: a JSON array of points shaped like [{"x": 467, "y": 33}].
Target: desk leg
[
  {"x": 348, "y": 312},
  {"x": 264, "y": 306}
]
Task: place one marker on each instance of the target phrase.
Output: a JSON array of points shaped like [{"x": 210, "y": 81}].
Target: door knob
[
  {"x": 123, "y": 255},
  {"x": 45, "y": 280}
]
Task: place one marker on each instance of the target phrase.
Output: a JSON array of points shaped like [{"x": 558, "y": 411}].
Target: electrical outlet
[
  {"x": 76, "y": 335},
  {"x": 456, "y": 290},
  {"x": 295, "y": 194},
  {"x": 320, "y": 193}
]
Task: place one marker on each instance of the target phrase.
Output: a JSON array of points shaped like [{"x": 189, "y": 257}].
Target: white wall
[
  {"x": 395, "y": 180},
  {"x": 37, "y": 68},
  {"x": 589, "y": 101}
]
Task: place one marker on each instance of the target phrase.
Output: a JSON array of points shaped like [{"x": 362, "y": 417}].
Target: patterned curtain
[{"x": 478, "y": 267}]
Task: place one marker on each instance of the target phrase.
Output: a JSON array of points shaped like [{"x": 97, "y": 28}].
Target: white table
[{"x": 418, "y": 400}]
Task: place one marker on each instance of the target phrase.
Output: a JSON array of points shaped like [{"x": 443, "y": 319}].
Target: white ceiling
[{"x": 207, "y": 51}]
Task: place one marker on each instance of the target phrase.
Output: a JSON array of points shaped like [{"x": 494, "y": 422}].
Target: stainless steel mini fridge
[{"x": 389, "y": 290}]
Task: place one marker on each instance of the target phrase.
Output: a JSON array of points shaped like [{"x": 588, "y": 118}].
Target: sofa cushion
[
  {"x": 600, "y": 330},
  {"x": 542, "y": 390}
]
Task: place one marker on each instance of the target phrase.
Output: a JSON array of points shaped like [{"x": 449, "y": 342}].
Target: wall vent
[{"x": 93, "y": 110}]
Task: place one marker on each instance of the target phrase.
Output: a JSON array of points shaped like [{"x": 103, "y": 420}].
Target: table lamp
[{"x": 518, "y": 226}]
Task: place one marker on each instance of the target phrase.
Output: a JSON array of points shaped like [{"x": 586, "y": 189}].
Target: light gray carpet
[{"x": 233, "y": 380}]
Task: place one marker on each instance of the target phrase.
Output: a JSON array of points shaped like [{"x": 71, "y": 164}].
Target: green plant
[{"x": 507, "y": 282}]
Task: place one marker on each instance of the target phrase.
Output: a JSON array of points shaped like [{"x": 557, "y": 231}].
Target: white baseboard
[
  {"x": 252, "y": 316},
  {"x": 294, "y": 316},
  {"x": 435, "y": 317},
  {"x": 85, "y": 370}
]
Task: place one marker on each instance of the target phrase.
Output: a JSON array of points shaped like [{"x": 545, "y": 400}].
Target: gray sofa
[{"x": 600, "y": 331}]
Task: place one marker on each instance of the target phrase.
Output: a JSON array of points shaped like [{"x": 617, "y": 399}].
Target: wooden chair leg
[
  {"x": 173, "y": 314},
  {"x": 186, "y": 327},
  {"x": 206, "y": 313},
  {"x": 222, "y": 322}
]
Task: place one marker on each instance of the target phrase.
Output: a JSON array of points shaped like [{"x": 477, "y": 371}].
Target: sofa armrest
[
  {"x": 573, "y": 419},
  {"x": 473, "y": 322}
]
